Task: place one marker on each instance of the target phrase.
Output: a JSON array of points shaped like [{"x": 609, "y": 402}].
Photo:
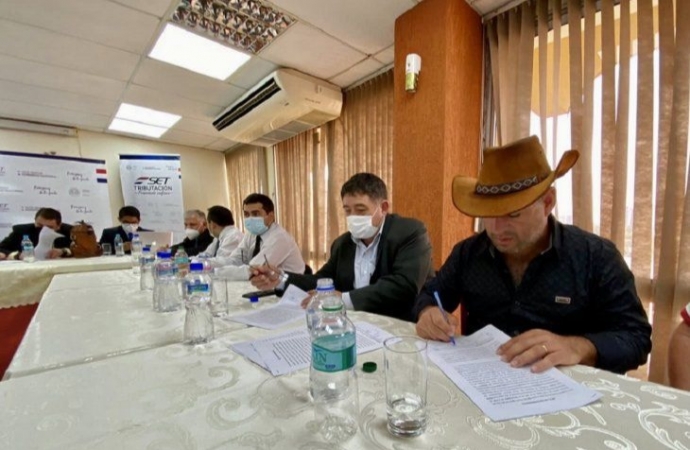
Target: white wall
[{"x": 204, "y": 178}]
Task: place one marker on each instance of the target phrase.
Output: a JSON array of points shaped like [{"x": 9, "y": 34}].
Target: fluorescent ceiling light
[
  {"x": 190, "y": 51},
  {"x": 127, "y": 126},
  {"x": 147, "y": 115}
]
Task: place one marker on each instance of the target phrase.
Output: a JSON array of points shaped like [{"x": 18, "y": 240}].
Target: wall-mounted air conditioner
[{"x": 283, "y": 104}]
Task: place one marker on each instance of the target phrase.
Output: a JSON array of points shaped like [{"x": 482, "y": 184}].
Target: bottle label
[
  {"x": 198, "y": 287},
  {"x": 334, "y": 353}
]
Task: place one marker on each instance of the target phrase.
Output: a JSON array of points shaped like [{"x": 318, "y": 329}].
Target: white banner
[
  {"x": 153, "y": 183},
  {"x": 76, "y": 187}
]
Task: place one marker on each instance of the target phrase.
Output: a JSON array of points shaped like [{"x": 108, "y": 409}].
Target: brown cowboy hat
[{"x": 512, "y": 177}]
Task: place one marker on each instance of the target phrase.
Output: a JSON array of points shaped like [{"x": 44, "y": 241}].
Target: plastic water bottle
[
  {"x": 27, "y": 249},
  {"x": 166, "y": 284},
  {"x": 198, "y": 322},
  {"x": 324, "y": 291},
  {"x": 182, "y": 262},
  {"x": 119, "y": 246},
  {"x": 146, "y": 261},
  {"x": 332, "y": 376},
  {"x": 136, "y": 248}
]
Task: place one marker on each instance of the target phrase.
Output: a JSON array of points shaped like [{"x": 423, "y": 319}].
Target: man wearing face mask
[
  {"x": 265, "y": 241},
  {"x": 379, "y": 265},
  {"x": 226, "y": 236},
  {"x": 11, "y": 246},
  {"x": 198, "y": 238},
  {"x": 129, "y": 218}
]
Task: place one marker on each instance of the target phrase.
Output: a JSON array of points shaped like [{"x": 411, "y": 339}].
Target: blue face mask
[{"x": 255, "y": 225}]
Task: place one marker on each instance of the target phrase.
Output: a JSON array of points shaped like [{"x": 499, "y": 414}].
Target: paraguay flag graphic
[{"x": 101, "y": 175}]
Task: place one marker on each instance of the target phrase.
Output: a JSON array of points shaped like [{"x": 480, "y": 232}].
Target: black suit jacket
[
  {"x": 194, "y": 246},
  {"x": 403, "y": 265},
  {"x": 13, "y": 242},
  {"x": 108, "y": 235}
]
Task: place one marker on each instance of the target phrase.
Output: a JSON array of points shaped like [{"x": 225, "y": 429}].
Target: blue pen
[{"x": 443, "y": 311}]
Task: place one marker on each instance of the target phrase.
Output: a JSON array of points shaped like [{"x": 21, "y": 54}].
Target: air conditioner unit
[{"x": 280, "y": 106}]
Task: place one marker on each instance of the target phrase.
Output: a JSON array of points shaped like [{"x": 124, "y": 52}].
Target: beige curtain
[
  {"x": 616, "y": 80},
  {"x": 312, "y": 167},
  {"x": 247, "y": 173}
]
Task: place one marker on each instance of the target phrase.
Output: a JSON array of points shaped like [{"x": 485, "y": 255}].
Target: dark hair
[
  {"x": 130, "y": 211},
  {"x": 49, "y": 214},
  {"x": 265, "y": 200},
  {"x": 365, "y": 184},
  {"x": 220, "y": 215}
]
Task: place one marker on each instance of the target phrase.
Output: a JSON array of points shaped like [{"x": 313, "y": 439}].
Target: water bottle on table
[
  {"x": 27, "y": 249},
  {"x": 182, "y": 262},
  {"x": 324, "y": 291},
  {"x": 119, "y": 246},
  {"x": 198, "y": 321},
  {"x": 332, "y": 376},
  {"x": 146, "y": 261},
  {"x": 136, "y": 249},
  {"x": 166, "y": 284}
]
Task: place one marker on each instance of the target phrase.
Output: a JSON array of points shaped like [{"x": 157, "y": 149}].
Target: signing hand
[
  {"x": 432, "y": 325},
  {"x": 55, "y": 253},
  {"x": 2, "y": 256},
  {"x": 543, "y": 350},
  {"x": 264, "y": 277}
]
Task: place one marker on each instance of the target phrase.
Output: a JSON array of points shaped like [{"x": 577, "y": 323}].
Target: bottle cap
[
  {"x": 369, "y": 367},
  {"x": 196, "y": 267},
  {"x": 254, "y": 299},
  {"x": 163, "y": 254}
]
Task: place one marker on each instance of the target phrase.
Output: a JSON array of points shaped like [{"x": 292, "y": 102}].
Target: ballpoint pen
[{"x": 443, "y": 311}]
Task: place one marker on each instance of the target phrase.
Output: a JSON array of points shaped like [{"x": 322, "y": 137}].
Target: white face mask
[
  {"x": 191, "y": 233},
  {"x": 361, "y": 227},
  {"x": 130, "y": 227}
]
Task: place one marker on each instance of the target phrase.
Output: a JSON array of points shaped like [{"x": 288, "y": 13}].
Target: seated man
[
  {"x": 129, "y": 218},
  {"x": 379, "y": 265},
  {"x": 679, "y": 353},
  {"x": 11, "y": 246},
  {"x": 265, "y": 241},
  {"x": 221, "y": 225},
  {"x": 565, "y": 295},
  {"x": 198, "y": 237}
]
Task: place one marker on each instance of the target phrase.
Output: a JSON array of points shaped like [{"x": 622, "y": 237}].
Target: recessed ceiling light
[
  {"x": 127, "y": 126},
  {"x": 198, "y": 54},
  {"x": 146, "y": 116}
]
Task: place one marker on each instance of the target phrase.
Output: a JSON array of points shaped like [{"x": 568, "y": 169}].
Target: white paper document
[
  {"x": 291, "y": 350},
  {"x": 287, "y": 310},
  {"x": 45, "y": 243},
  {"x": 503, "y": 392}
]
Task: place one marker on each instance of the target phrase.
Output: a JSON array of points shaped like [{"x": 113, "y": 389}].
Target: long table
[
  {"x": 207, "y": 397},
  {"x": 24, "y": 283}
]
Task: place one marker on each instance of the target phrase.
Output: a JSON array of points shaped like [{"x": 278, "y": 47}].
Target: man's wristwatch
[{"x": 282, "y": 281}]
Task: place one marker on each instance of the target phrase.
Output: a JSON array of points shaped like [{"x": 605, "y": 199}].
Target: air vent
[{"x": 244, "y": 107}]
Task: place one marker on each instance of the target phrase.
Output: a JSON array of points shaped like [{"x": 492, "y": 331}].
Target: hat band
[{"x": 508, "y": 188}]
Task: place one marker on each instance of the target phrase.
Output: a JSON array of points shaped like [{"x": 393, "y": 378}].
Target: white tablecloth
[
  {"x": 207, "y": 397},
  {"x": 24, "y": 283},
  {"x": 108, "y": 316}
]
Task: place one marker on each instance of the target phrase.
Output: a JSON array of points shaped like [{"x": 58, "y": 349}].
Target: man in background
[
  {"x": 379, "y": 265},
  {"x": 226, "y": 237},
  {"x": 265, "y": 241},
  {"x": 11, "y": 246},
  {"x": 198, "y": 238},
  {"x": 129, "y": 218}
]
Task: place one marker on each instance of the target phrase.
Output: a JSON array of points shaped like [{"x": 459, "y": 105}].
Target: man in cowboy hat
[{"x": 565, "y": 295}]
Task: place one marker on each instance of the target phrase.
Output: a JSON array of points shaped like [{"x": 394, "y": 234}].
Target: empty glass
[
  {"x": 107, "y": 249},
  {"x": 219, "y": 297}
]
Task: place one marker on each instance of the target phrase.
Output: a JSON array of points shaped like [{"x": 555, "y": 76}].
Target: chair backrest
[{"x": 308, "y": 270}]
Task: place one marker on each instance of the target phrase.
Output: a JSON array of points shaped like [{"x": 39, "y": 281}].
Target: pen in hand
[{"x": 443, "y": 311}]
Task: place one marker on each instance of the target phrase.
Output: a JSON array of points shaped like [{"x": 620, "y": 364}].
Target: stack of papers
[
  {"x": 291, "y": 351},
  {"x": 501, "y": 391},
  {"x": 286, "y": 311}
]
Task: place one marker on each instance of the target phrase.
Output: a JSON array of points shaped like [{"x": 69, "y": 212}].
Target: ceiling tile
[
  {"x": 365, "y": 25},
  {"x": 311, "y": 51},
  {"x": 39, "y": 45},
  {"x": 168, "y": 78},
  {"x": 156, "y": 7},
  {"x": 49, "y": 114},
  {"x": 251, "y": 72},
  {"x": 29, "y": 72},
  {"x": 60, "y": 99},
  {"x": 357, "y": 72},
  {"x": 190, "y": 139},
  {"x": 151, "y": 98},
  {"x": 108, "y": 23},
  {"x": 221, "y": 145},
  {"x": 204, "y": 127},
  {"x": 386, "y": 56}
]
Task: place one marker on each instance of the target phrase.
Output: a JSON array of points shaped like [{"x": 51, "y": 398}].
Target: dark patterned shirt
[{"x": 579, "y": 286}]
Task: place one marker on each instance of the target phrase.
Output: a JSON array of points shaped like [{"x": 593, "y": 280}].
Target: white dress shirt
[
  {"x": 365, "y": 264},
  {"x": 225, "y": 244},
  {"x": 278, "y": 248}
]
